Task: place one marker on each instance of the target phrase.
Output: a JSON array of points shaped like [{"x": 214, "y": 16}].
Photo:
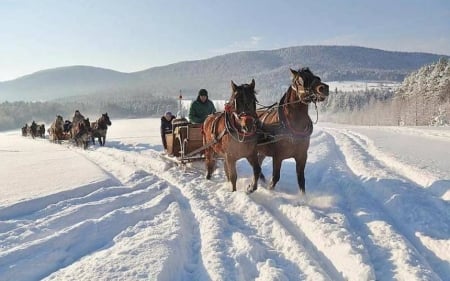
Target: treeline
[
  {"x": 422, "y": 99},
  {"x": 14, "y": 115}
]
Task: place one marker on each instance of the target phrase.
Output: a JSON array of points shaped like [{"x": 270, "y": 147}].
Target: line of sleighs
[
  {"x": 80, "y": 130},
  {"x": 34, "y": 130}
]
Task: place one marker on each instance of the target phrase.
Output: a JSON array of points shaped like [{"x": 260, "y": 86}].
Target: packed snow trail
[{"x": 369, "y": 214}]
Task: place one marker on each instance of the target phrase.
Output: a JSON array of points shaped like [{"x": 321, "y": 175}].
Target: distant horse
[
  {"x": 82, "y": 133},
  {"x": 25, "y": 130},
  {"x": 232, "y": 134},
  {"x": 33, "y": 129},
  {"x": 288, "y": 127},
  {"x": 99, "y": 129},
  {"x": 40, "y": 132},
  {"x": 56, "y": 130}
]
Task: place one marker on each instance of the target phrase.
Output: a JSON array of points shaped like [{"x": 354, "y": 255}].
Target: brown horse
[
  {"x": 287, "y": 127},
  {"x": 82, "y": 133},
  {"x": 232, "y": 134},
  {"x": 56, "y": 130},
  {"x": 40, "y": 131},
  {"x": 25, "y": 130},
  {"x": 99, "y": 129},
  {"x": 33, "y": 129}
]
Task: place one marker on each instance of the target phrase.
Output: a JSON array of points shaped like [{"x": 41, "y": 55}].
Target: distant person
[
  {"x": 201, "y": 108},
  {"x": 67, "y": 126},
  {"x": 166, "y": 127}
]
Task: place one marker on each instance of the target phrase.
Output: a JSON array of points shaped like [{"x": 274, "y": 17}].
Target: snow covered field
[
  {"x": 377, "y": 208},
  {"x": 355, "y": 86}
]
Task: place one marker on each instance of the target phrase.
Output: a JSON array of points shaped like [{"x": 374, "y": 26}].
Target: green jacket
[{"x": 199, "y": 111}]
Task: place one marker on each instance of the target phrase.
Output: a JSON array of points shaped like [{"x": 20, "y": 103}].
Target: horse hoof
[
  {"x": 208, "y": 177},
  {"x": 262, "y": 178},
  {"x": 251, "y": 189}
]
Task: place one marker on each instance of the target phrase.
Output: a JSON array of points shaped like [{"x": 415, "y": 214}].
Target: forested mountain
[
  {"x": 424, "y": 96},
  {"x": 269, "y": 68},
  {"x": 422, "y": 99},
  {"x": 153, "y": 91}
]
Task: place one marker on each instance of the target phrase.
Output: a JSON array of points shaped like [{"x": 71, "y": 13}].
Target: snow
[
  {"x": 355, "y": 86},
  {"x": 377, "y": 208}
]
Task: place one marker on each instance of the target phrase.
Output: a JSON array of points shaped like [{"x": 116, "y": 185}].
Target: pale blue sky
[{"x": 132, "y": 35}]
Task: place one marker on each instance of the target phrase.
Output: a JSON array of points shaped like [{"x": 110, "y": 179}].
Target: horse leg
[
  {"x": 227, "y": 172},
  {"x": 210, "y": 162},
  {"x": 253, "y": 160},
  {"x": 231, "y": 164},
  {"x": 300, "y": 167},
  {"x": 93, "y": 140},
  {"x": 260, "y": 160},
  {"x": 103, "y": 141},
  {"x": 276, "y": 167}
]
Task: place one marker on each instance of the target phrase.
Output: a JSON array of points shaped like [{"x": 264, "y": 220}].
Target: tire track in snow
[
  {"x": 102, "y": 215},
  {"x": 324, "y": 235},
  {"x": 430, "y": 220},
  {"x": 56, "y": 217},
  {"x": 122, "y": 162},
  {"x": 27, "y": 207},
  {"x": 62, "y": 248},
  {"x": 372, "y": 215},
  {"x": 217, "y": 261},
  {"x": 239, "y": 214},
  {"x": 411, "y": 173}
]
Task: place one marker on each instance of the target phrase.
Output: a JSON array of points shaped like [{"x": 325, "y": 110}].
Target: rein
[
  {"x": 236, "y": 133},
  {"x": 307, "y": 131}
]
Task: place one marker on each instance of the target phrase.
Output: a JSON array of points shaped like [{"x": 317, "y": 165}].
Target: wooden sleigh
[{"x": 185, "y": 142}]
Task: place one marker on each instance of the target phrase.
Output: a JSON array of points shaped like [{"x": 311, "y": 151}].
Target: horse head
[
  {"x": 308, "y": 87},
  {"x": 243, "y": 99},
  {"x": 105, "y": 117},
  {"x": 87, "y": 124},
  {"x": 59, "y": 122},
  {"x": 243, "y": 104}
]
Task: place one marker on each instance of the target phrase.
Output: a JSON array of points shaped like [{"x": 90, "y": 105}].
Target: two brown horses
[
  {"x": 232, "y": 134},
  {"x": 288, "y": 127}
]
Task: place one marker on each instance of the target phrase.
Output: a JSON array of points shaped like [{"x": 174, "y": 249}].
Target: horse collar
[
  {"x": 285, "y": 124},
  {"x": 234, "y": 132}
]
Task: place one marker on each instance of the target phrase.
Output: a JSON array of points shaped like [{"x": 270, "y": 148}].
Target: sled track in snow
[
  {"x": 299, "y": 257},
  {"x": 391, "y": 192},
  {"x": 363, "y": 206}
]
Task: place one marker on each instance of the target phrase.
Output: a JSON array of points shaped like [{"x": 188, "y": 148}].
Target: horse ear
[
  {"x": 295, "y": 73},
  {"x": 233, "y": 86},
  {"x": 252, "y": 84}
]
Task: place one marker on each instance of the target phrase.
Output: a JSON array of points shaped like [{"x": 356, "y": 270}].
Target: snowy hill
[
  {"x": 376, "y": 209},
  {"x": 270, "y": 69}
]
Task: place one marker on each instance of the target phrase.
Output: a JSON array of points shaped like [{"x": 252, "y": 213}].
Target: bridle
[
  {"x": 308, "y": 94},
  {"x": 247, "y": 116}
]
